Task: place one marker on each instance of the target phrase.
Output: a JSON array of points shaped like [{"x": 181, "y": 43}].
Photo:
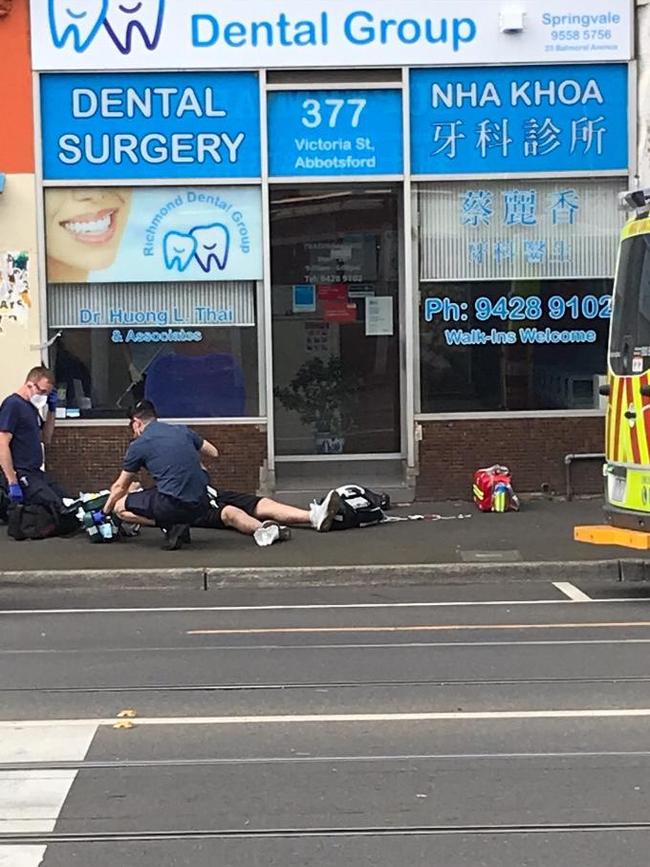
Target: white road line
[
  {"x": 436, "y": 627},
  {"x": 31, "y": 801},
  {"x": 21, "y": 856},
  {"x": 371, "y": 605},
  {"x": 573, "y": 592},
  {"x": 289, "y": 719}
]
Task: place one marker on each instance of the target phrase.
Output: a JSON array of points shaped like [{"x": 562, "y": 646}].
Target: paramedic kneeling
[
  {"x": 22, "y": 434},
  {"x": 172, "y": 456}
]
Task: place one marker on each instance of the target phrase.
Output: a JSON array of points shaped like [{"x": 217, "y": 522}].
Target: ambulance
[{"x": 627, "y": 447}]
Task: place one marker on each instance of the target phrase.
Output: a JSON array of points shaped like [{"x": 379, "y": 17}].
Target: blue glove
[
  {"x": 52, "y": 400},
  {"x": 16, "y": 493},
  {"x": 98, "y": 517}
]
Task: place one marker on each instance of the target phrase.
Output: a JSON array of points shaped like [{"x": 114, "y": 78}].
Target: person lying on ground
[
  {"x": 266, "y": 520},
  {"x": 176, "y": 468}
]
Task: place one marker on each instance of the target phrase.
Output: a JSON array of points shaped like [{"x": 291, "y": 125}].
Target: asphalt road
[{"x": 451, "y": 726}]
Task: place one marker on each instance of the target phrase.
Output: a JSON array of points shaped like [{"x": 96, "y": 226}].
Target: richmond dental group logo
[{"x": 78, "y": 22}]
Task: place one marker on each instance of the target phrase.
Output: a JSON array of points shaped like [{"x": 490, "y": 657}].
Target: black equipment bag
[
  {"x": 32, "y": 522},
  {"x": 360, "y": 507},
  {"x": 36, "y": 521}
]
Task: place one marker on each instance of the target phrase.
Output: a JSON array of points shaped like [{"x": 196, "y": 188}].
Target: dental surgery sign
[
  {"x": 70, "y": 35},
  {"x": 196, "y": 125},
  {"x": 519, "y": 119},
  {"x": 179, "y": 234}
]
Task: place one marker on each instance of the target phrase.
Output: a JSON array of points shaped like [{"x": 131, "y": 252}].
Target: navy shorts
[
  {"x": 211, "y": 518},
  {"x": 163, "y": 509}
]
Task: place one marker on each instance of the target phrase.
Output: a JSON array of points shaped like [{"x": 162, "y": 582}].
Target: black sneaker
[{"x": 177, "y": 536}]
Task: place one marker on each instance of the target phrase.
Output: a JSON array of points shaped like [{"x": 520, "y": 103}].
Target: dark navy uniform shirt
[
  {"x": 20, "y": 418},
  {"x": 170, "y": 453}
]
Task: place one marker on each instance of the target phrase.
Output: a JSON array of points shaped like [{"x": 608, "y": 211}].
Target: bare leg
[
  {"x": 237, "y": 519},
  {"x": 130, "y": 517},
  {"x": 271, "y": 510}
]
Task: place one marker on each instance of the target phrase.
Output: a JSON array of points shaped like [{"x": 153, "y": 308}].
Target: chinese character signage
[
  {"x": 515, "y": 230},
  {"x": 335, "y": 132},
  {"x": 228, "y": 34},
  {"x": 102, "y": 127},
  {"x": 519, "y": 119},
  {"x": 163, "y": 234}
]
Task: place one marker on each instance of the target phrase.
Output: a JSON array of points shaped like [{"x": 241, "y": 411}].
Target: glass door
[{"x": 335, "y": 296}]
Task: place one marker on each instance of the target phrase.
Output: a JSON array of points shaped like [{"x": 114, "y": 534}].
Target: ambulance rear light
[{"x": 635, "y": 200}]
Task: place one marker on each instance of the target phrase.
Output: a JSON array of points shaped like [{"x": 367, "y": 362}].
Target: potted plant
[{"x": 324, "y": 394}]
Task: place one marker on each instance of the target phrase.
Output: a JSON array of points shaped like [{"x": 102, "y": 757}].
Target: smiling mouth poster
[{"x": 125, "y": 235}]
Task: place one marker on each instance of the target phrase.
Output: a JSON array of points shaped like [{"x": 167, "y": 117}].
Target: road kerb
[{"x": 312, "y": 576}]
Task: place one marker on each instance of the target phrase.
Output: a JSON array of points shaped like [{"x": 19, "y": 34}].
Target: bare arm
[
  {"x": 118, "y": 489},
  {"x": 6, "y": 461},
  {"x": 207, "y": 450}
]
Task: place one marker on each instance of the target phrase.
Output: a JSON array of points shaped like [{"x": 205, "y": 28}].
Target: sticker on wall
[
  {"x": 15, "y": 298},
  {"x": 121, "y": 235}
]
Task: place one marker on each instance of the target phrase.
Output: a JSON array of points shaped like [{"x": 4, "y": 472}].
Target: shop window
[
  {"x": 524, "y": 345},
  {"x": 515, "y": 292},
  {"x": 103, "y": 372},
  {"x": 152, "y": 292}
]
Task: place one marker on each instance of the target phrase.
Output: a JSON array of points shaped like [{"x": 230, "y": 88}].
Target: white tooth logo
[
  {"x": 212, "y": 245},
  {"x": 78, "y": 20},
  {"x": 179, "y": 250},
  {"x": 124, "y": 17}
]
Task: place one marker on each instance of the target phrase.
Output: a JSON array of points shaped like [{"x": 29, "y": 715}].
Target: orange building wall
[{"x": 16, "y": 119}]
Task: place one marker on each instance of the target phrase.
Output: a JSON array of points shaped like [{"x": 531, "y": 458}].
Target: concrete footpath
[{"x": 535, "y": 543}]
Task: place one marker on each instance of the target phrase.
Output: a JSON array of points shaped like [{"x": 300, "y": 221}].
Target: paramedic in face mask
[{"x": 22, "y": 434}]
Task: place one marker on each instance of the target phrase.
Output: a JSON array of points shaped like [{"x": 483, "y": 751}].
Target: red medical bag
[{"x": 492, "y": 490}]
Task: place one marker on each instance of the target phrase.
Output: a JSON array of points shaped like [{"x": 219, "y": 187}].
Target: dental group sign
[
  {"x": 179, "y": 234},
  {"x": 228, "y": 34},
  {"x": 194, "y": 125}
]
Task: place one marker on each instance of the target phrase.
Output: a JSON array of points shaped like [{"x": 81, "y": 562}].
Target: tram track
[
  {"x": 53, "y": 838},
  {"x": 144, "y": 764},
  {"x": 317, "y": 685}
]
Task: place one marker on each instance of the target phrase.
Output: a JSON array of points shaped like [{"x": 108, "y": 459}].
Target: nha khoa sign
[{"x": 519, "y": 119}]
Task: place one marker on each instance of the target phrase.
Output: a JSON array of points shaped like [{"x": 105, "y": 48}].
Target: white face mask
[{"x": 39, "y": 401}]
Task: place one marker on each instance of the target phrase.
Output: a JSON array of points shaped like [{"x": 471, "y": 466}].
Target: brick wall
[
  {"x": 89, "y": 458},
  {"x": 533, "y": 448}
]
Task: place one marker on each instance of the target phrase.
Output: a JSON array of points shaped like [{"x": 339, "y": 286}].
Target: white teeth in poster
[{"x": 123, "y": 235}]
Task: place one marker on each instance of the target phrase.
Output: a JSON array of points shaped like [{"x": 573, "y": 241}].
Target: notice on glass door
[{"x": 379, "y": 317}]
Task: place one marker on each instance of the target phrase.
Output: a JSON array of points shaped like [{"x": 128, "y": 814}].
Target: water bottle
[{"x": 500, "y": 497}]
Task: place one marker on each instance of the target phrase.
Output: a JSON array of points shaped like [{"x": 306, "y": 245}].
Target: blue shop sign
[
  {"x": 151, "y": 125},
  {"x": 519, "y": 119},
  {"x": 335, "y": 132}
]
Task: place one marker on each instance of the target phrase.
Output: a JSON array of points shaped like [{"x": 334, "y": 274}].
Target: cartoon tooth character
[
  {"x": 76, "y": 20},
  {"x": 125, "y": 17},
  {"x": 212, "y": 245},
  {"x": 179, "y": 250}
]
